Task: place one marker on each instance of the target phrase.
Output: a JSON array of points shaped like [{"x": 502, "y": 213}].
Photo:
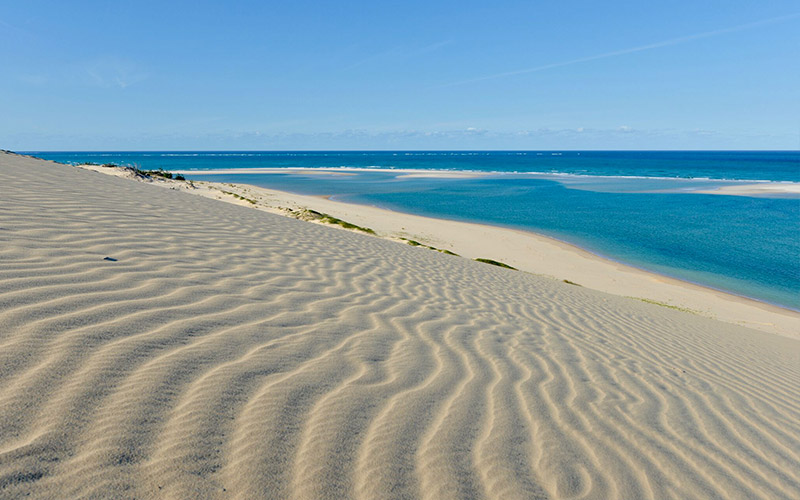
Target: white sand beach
[{"x": 159, "y": 344}]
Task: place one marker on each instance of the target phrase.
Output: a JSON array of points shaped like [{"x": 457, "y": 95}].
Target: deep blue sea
[{"x": 641, "y": 208}]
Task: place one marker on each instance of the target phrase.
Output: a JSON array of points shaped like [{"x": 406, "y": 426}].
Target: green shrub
[
  {"x": 496, "y": 263},
  {"x": 415, "y": 243},
  {"x": 329, "y": 219}
]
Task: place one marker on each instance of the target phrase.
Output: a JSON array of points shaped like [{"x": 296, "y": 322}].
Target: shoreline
[
  {"x": 524, "y": 250},
  {"x": 574, "y": 247}
]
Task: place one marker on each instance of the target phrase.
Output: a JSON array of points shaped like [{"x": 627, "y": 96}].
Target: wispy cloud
[
  {"x": 399, "y": 53},
  {"x": 374, "y": 57},
  {"x": 113, "y": 72},
  {"x": 641, "y": 48}
]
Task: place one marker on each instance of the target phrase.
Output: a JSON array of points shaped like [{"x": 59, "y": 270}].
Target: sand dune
[{"x": 226, "y": 352}]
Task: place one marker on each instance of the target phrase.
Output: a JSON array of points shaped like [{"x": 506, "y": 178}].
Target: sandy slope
[{"x": 232, "y": 353}]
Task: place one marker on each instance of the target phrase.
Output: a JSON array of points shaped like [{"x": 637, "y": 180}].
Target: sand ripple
[{"x": 230, "y": 353}]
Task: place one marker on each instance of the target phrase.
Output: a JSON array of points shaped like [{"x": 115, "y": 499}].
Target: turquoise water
[{"x": 640, "y": 208}]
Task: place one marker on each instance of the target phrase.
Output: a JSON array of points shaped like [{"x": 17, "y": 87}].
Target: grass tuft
[
  {"x": 329, "y": 219},
  {"x": 239, "y": 197},
  {"x": 415, "y": 243},
  {"x": 663, "y": 304},
  {"x": 496, "y": 263}
]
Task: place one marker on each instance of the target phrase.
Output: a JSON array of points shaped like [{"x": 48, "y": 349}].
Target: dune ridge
[{"x": 233, "y": 353}]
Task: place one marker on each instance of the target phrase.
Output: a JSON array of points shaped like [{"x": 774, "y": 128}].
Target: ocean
[{"x": 641, "y": 208}]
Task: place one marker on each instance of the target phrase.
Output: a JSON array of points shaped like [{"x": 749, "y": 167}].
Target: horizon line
[{"x": 387, "y": 150}]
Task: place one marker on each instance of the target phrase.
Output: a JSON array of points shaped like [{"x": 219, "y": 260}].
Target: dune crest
[{"x": 223, "y": 352}]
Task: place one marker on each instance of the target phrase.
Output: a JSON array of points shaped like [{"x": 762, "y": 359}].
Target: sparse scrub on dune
[
  {"x": 240, "y": 197},
  {"x": 159, "y": 173},
  {"x": 133, "y": 169},
  {"x": 143, "y": 174},
  {"x": 163, "y": 173},
  {"x": 415, "y": 243},
  {"x": 663, "y": 304},
  {"x": 312, "y": 215},
  {"x": 495, "y": 263},
  {"x": 568, "y": 282}
]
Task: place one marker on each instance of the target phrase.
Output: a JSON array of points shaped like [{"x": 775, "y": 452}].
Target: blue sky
[{"x": 465, "y": 74}]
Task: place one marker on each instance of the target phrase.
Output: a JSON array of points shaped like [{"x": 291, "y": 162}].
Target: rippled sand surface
[{"x": 223, "y": 352}]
